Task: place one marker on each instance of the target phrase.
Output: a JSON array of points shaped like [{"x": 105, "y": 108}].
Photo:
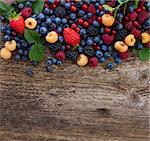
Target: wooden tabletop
[{"x": 74, "y": 103}]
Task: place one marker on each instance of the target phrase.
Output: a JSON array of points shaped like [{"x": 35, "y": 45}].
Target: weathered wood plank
[{"x": 74, "y": 104}]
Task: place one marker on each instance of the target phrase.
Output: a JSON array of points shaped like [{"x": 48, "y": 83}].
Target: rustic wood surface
[{"x": 74, "y": 104}]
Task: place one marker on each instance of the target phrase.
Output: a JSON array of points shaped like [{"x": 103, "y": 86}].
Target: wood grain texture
[{"x": 74, "y": 104}]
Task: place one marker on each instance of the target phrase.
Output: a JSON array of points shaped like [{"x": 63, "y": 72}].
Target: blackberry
[
  {"x": 92, "y": 31},
  {"x": 55, "y": 47},
  {"x": 72, "y": 55},
  {"x": 88, "y": 50},
  {"x": 60, "y": 11},
  {"x": 121, "y": 34}
]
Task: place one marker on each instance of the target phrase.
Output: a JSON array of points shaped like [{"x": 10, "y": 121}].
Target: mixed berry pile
[{"x": 85, "y": 32}]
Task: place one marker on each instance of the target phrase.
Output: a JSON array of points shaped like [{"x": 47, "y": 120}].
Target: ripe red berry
[
  {"x": 77, "y": 29},
  {"x": 46, "y": 5},
  {"x": 80, "y": 21},
  {"x": 100, "y": 8},
  {"x": 56, "y": 2},
  {"x": 73, "y": 8},
  {"x": 99, "y": 19},
  {"x": 136, "y": 24},
  {"x": 73, "y": 26},
  {"x": 138, "y": 10},
  {"x": 113, "y": 32},
  {"x": 60, "y": 55},
  {"x": 84, "y": 7},
  {"x": 93, "y": 61},
  {"x": 85, "y": 24},
  {"x": 107, "y": 30},
  {"x": 90, "y": 20}
]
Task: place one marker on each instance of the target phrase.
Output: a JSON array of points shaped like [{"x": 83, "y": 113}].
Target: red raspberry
[
  {"x": 142, "y": 16},
  {"x": 26, "y": 12},
  {"x": 60, "y": 55},
  {"x": 80, "y": 21},
  {"x": 92, "y": 9},
  {"x": 129, "y": 25},
  {"x": 85, "y": 24},
  {"x": 133, "y": 16},
  {"x": 108, "y": 39},
  {"x": 93, "y": 61},
  {"x": 136, "y": 32},
  {"x": 71, "y": 37},
  {"x": 84, "y": 7},
  {"x": 124, "y": 55}
]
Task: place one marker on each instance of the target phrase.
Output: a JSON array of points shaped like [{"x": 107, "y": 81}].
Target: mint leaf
[
  {"x": 37, "y": 52},
  {"x": 38, "y": 6},
  {"x": 109, "y": 8},
  {"x": 144, "y": 54},
  {"x": 134, "y": 51},
  {"x": 31, "y": 36},
  {"x": 4, "y": 6}
]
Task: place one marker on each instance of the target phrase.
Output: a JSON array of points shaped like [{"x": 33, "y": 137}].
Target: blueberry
[
  {"x": 3, "y": 29},
  {"x": 98, "y": 54},
  {"x": 57, "y": 20},
  {"x": 67, "y": 5},
  {"x": 28, "y": 4},
  {"x": 118, "y": 61},
  {"x": 43, "y": 30},
  {"x": 48, "y": 22},
  {"x": 82, "y": 31},
  {"x": 115, "y": 55},
  {"x": 41, "y": 17},
  {"x": 119, "y": 16},
  {"x": 95, "y": 23},
  {"x": 49, "y": 68},
  {"x": 107, "y": 55},
  {"x": 63, "y": 47},
  {"x": 49, "y": 62},
  {"x": 46, "y": 11},
  {"x": 102, "y": 60},
  {"x": 64, "y": 20},
  {"x": 2, "y": 18},
  {"x": 59, "y": 29},
  {"x": 24, "y": 58},
  {"x": 101, "y": 13},
  {"x": 72, "y": 16},
  {"x": 53, "y": 26},
  {"x": 80, "y": 49},
  {"x": 24, "y": 44},
  {"x": 8, "y": 32},
  {"x": 119, "y": 26},
  {"x": 110, "y": 65},
  {"x": 81, "y": 13},
  {"x": 29, "y": 71},
  {"x": 59, "y": 62},
  {"x": 20, "y": 51},
  {"x": 97, "y": 12},
  {"x": 96, "y": 39},
  {"x": 139, "y": 46},
  {"x": 104, "y": 48},
  {"x": 25, "y": 52},
  {"x": 85, "y": 17},
  {"x": 6, "y": 38},
  {"x": 89, "y": 42},
  {"x": 96, "y": 4},
  {"x": 17, "y": 57},
  {"x": 20, "y": 6},
  {"x": 102, "y": 30},
  {"x": 54, "y": 60},
  {"x": 83, "y": 43},
  {"x": 61, "y": 39},
  {"x": 131, "y": 8}
]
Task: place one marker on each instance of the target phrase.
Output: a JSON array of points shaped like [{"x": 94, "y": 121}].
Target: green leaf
[
  {"x": 144, "y": 54},
  {"x": 4, "y": 6},
  {"x": 134, "y": 51},
  {"x": 37, "y": 52},
  {"x": 38, "y": 6},
  {"x": 31, "y": 36},
  {"x": 109, "y": 8}
]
